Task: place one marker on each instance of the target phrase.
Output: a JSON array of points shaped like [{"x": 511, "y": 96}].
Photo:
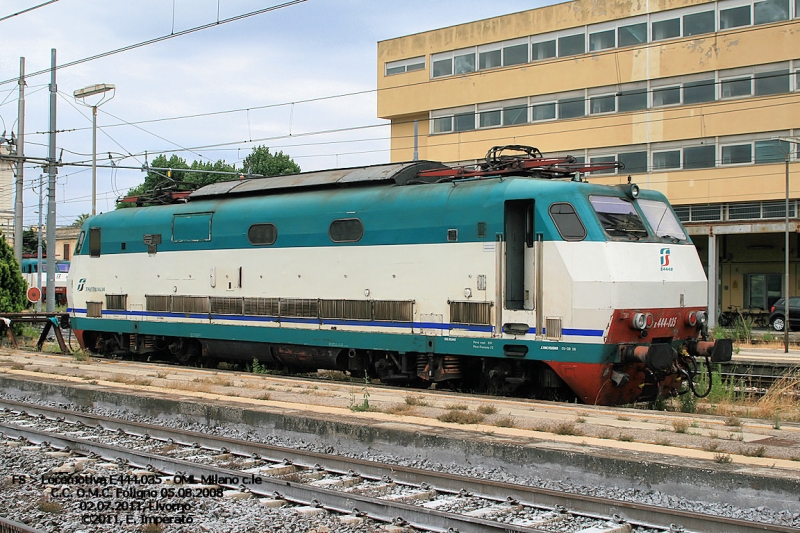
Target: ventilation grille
[
  {"x": 117, "y": 302},
  {"x": 346, "y": 309},
  {"x": 471, "y": 312},
  {"x": 393, "y": 310},
  {"x": 226, "y": 306},
  {"x": 262, "y": 306},
  {"x": 94, "y": 309},
  {"x": 157, "y": 303},
  {"x": 553, "y": 328},
  {"x": 298, "y": 307},
  {"x": 190, "y": 304}
]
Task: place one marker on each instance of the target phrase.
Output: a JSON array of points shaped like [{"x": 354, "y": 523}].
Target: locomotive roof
[{"x": 391, "y": 174}]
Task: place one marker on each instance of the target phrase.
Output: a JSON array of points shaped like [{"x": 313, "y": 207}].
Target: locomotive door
[{"x": 519, "y": 260}]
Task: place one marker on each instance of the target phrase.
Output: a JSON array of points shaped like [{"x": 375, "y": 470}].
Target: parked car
[{"x": 777, "y": 317}]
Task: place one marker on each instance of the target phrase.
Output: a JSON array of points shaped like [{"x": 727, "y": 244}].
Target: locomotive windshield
[
  {"x": 618, "y": 217},
  {"x": 662, "y": 219}
]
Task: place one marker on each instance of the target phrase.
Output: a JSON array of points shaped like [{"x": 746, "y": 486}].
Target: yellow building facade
[{"x": 700, "y": 100}]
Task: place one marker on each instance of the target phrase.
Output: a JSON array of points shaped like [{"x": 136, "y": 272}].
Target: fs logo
[
  {"x": 81, "y": 283},
  {"x": 665, "y": 260}
]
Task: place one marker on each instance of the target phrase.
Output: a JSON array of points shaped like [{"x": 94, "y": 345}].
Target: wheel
[{"x": 778, "y": 323}]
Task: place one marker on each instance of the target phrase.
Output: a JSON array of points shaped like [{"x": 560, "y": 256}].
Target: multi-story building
[{"x": 693, "y": 97}]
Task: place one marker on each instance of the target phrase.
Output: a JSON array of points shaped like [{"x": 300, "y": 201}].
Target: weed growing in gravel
[
  {"x": 604, "y": 433},
  {"x": 399, "y": 409},
  {"x": 625, "y": 437},
  {"x": 152, "y": 528},
  {"x": 416, "y": 400},
  {"x": 722, "y": 458},
  {"x": 623, "y": 418},
  {"x": 680, "y": 426},
  {"x": 130, "y": 380},
  {"x": 456, "y": 407},
  {"x": 505, "y": 422},
  {"x": 80, "y": 356},
  {"x": 49, "y": 507},
  {"x": 460, "y": 417},
  {"x": 487, "y": 409},
  {"x": 688, "y": 402},
  {"x": 264, "y": 396},
  {"x": 754, "y": 452},
  {"x": 776, "y": 423},
  {"x": 566, "y": 428},
  {"x": 580, "y": 419},
  {"x": 364, "y": 405},
  {"x": 663, "y": 441},
  {"x": 17, "y": 366},
  {"x": 733, "y": 421},
  {"x": 710, "y": 446}
]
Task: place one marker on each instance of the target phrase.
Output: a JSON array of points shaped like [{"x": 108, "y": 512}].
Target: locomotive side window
[
  {"x": 80, "y": 242},
  {"x": 94, "y": 242},
  {"x": 262, "y": 234},
  {"x": 194, "y": 227},
  {"x": 618, "y": 217},
  {"x": 346, "y": 230},
  {"x": 567, "y": 222},
  {"x": 661, "y": 219}
]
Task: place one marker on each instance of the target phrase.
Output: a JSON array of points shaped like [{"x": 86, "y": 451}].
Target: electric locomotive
[{"x": 515, "y": 276}]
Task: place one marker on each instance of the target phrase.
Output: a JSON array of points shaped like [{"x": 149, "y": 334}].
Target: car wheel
[{"x": 778, "y": 323}]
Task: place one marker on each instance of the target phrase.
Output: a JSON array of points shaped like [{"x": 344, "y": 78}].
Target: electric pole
[
  {"x": 51, "y": 191},
  {"x": 20, "y": 163}
]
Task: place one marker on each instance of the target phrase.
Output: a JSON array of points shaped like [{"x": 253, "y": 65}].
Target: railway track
[{"x": 354, "y": 488}]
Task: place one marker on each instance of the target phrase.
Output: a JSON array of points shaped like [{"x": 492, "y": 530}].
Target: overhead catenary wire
[
  {"x": 159, "y": 39},
  {"x": 27, "y": 10}
]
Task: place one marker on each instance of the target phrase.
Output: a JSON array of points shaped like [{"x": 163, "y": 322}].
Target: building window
[
  {"x": 490, "y": 59},
  {"x": 771, "y": 151},
  {"x": 346, "y": 230},
  {"x": 442, "y": 124},
  {"x": 735, "y": 87},
  {"x": 601, "y": 40},
  {"x": 635, "y": 162},
  {"x": 544, "y": 111},
  {"x": 736, "y": 154},
  {"x": 489, "y": 119},
  {"x": 571, "y": 108},
  {"x": 698, "y": 23},
  {"x": 65, "y": 254},
  {"x": 515, "y": 115},
  {"x": 464, "y": 64},
  {"x": 515, "y": 55},
  {"x": 770, "y": 11},
  {"x": 262, "y": 234},
  {"x": 543, "y": 50},
  {"x": 666, "y": 96},
  {"x": 774, "y": 82},
  {"x": 697, "y": 92},
  {"x": 406, "y": 65},
  {"x": 699, "y": 156},
  {"x": 666, "y": 29},
  {"x": 464, "y": 122},
  {"x": 762, "y": 290},
  {"x": 442, "y": 67},
  {"x": 734, "y": 17},
  {"x": 603, "y": 159},
  {"x": 668, "y": 159},
  {"x": 632, "y": 100},
  {"x": 571, "y": 45},
  {"x": 603, "y": 104},
  {"x": 632, "y": 35}
]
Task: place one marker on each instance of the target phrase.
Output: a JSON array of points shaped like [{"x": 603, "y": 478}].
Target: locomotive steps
[{"x": 629, "y": 449}]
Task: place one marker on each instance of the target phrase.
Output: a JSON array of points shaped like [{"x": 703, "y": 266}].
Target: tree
[
  {"x": 156, "y": 182},
  {"x": 80, "y": 220},
  {"x": 12, "y": 284},
  {"x": 261, "y": 161},
  {"x": 30, "y": 242}
]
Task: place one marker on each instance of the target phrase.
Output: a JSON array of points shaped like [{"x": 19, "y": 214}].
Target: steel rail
[
  {"x": 340, "y": 502},
  {"x": 638, "y": 514}
]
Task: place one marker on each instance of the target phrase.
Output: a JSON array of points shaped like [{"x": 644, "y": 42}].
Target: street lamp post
[
  {"x": 80, "y": 96},
  {"x": 788, "y": 154}
]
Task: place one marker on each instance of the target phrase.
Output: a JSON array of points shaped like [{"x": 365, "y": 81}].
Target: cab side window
[{"x": 94, "y": 242}]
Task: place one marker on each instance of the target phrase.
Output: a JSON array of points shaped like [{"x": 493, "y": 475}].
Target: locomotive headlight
[
  {"x": 639, "y": 321},
  {"x": 691, "y": 319},
  {"x": 702, "y": 317}
]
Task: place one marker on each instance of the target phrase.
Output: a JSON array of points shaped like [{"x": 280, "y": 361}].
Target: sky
[{"x": 264, "y": 69}]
